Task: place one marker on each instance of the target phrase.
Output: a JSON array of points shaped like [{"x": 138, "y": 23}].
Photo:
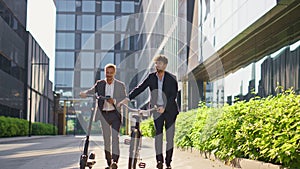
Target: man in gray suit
[{"x": 108, "y": 113}]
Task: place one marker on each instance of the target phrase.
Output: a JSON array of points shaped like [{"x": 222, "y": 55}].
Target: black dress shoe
[
  {"x": 114, "y": 165},
  {"x": 159, "y": 165}
]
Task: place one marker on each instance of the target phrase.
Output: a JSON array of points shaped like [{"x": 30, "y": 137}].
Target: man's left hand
[
  {"x": 111, "y": 101},
  {"x": 161, "y": 110}
]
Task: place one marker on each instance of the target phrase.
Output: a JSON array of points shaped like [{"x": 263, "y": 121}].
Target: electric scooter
[{"x": 85, "y": 160}]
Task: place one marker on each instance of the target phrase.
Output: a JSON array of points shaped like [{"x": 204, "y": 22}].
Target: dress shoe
[
  {"x": 114, "y": 165},
  {"x": 159, "y": 165}
]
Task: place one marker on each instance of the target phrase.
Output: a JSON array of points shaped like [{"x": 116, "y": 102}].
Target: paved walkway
[{"x": 181, "y": 159}]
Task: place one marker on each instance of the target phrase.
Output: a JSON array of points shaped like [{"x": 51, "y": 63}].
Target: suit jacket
[
  {"x": 170, "y": 89},
  {"x": 99, "y": 88}
]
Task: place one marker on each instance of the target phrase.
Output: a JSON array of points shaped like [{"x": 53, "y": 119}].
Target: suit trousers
[
  {"x": 110, "y": 123},
  {"x": 169, "y": 121}
]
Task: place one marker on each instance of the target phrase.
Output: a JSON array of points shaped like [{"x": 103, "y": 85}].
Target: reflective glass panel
[
  {"x": 87, "y": 79},
  {"x": 64, "y": 60},
  {"x": 108, "y": 22},
  {"x": 65, "y": 5},
  {"x": 104, "y": 58},
  {"x": 107, "y": 41},
  {"x": 65, "y": 22},
  {"x": 88, "y": 6},
  {"x": 108, "y": 6},
  {"x": 87, "y": 60},
  {"x": 65, "y": 41},
  {"x": 87, "y": 41},
  {"x": 127, "y": 7},
  {"x": 64, "y": 77},
  {"x": 88, "y": 22}
]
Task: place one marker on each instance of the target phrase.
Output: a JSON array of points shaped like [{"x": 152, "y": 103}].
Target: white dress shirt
[{"x": 109, "y": 91}]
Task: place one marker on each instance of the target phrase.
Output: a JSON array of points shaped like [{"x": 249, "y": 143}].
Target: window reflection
[
  {"x": 86, "y": 79},
  {"x": 87, "y": 60},
  {"x": 65, "y": 40},
  {"x": 65, "y": 5},
  {"x": 127, "y": 7},
  {"x": 108, "y": 6},
  {"x": 104, "y": 58},
  {"x": 65, "y": 22},
  {"x": 108, "y": 22},
  {"x": 88, "y": 22},
  {"x": 64, "y": 77},
  {"x": 64, "y": 60},
  {"x": 87, "y": 41},
  {"x": 107, "y": 41},
  {"x": 88, "y": 6}
]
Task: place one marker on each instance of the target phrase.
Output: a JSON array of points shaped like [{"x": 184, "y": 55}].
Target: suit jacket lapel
[
  {"x": 102, "y": 88},
  {"x": 115, "y": 89}
]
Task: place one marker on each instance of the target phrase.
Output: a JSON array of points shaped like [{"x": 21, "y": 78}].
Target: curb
[
  {"x": 237, "y": 162},
  {"x": 24, "y": 138},
  {"x": 249, "y": 164}
]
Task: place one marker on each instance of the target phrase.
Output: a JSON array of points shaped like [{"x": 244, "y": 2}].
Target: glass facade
[
  {"x": 90, "y": 34},
  {"x": 13, "y": 40},
  {"x": 25, "y": 89},
  {"x": 40, "y": 94}
]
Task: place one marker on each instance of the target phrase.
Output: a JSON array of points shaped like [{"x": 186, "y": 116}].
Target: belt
[{"x": 108, "y": 111}]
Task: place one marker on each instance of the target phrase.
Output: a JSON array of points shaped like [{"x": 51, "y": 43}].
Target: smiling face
[{"x": 110, "y": 73}]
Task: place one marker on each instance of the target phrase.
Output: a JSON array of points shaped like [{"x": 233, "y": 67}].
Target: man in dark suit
[
  {"x": 164, "y": 87},
  {"x": 108, "y": 114}
]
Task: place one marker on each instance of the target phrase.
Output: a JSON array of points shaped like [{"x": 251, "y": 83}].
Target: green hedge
[
  {"x": 265, "y": 129},
  {"x": 147, "y": 128},
  {"x": 11, "y": 127}
]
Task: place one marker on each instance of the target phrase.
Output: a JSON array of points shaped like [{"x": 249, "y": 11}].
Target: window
[
  {"x": 87, "y": 41},
  {"x": 64, "y": 77},
  {"x": 107, "y": 22},
  {"x": 124, "y": 22},
  {"x": 88, "y": 22},
  {"x": 127, "y": 7},
  {"x": 86, "y": 79},
  {"x": 65, "y": 22},
  {"x": 64, "y": 60},
  {"x": 88, "y": 6},
  {"x": 65, "y": 40},
  {"x": 107, "y": 41},
  {"x": 104, "y": 58},
  {"x": 65, "y": 5},
  {"x": 108, "y": 6},
  {"x": 87, "y": 60}
]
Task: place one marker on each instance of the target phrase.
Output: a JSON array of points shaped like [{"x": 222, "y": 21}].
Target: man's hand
[
  {"x": 82, "y": 94},
  {"x": 161, "y": 110},
  {"x": 111, "y": 101},
  {"x": 124, "y": 101}
]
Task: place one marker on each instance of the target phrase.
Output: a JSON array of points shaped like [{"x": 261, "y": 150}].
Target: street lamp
[{"x": 30, "y": 109}]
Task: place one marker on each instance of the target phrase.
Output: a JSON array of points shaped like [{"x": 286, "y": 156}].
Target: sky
[{"x": 41, "y": 22}]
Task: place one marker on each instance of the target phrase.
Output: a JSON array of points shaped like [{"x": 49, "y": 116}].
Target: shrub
[
  {"x": 147, "y": 127},
  {"x": 265, "y": 129},
  {"x": 11, "y": 127}
]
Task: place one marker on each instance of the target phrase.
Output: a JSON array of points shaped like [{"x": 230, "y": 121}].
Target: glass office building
[
  {"x": 90, "y": 34},
  {"x": 244, "y": 46},
  {"x": 25, "y": 89},
  {"x": 13, "y": 40}
]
